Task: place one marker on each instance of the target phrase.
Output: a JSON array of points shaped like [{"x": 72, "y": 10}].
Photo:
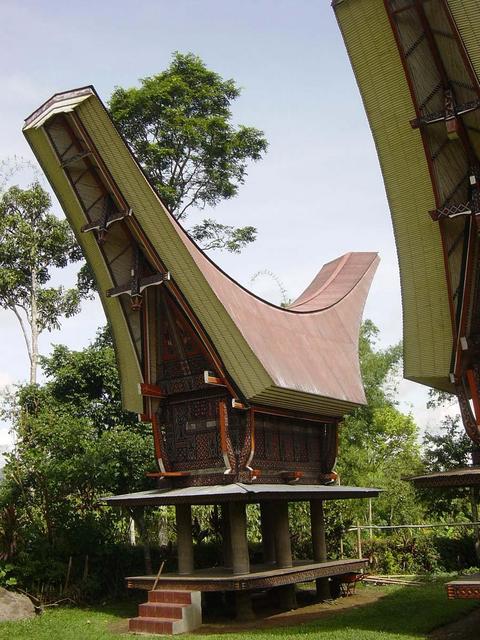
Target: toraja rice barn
[
  {"x": 417, "y": 64},
  {"x": 244, "y": 397}
]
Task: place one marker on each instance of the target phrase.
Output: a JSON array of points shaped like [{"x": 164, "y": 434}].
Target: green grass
[{"x": 405, "y": 613}]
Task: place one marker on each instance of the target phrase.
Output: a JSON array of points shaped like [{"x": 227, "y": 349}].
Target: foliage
[
  {"x": 32, "y": 242},
  {"x": 178, "y": 124},
  {"x": 449, "y": 448},
  {"x": 446, "y": 449},
  {"x": 378, "y": 443},
  {"x": 74, "y": 444}
]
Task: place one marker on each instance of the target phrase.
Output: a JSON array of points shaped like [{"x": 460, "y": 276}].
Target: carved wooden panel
[{"x": 190, "y": 429}]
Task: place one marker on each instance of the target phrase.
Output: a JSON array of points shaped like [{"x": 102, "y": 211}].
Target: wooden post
[
  {"x": 359, "y": 540},
  {"x": 283, "y": 549},
  {"x": 476, "y": 529},
  {"x": 238, "y": 537},
  {"x": 370, "y": 531},
  {"x": 183, "y": 513},
  {"x": 319, "y": 544},
  {"x": 267, "y": 519}
]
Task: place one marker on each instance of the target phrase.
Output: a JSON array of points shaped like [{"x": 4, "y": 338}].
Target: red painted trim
[
  {"x": 474, "y": 393},
  {"x": 152, "y": 390}
]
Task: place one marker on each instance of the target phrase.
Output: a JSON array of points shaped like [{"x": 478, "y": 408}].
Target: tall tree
[
  {"x": 179, "y": 125},
  {"x": 33, "y": 241}
]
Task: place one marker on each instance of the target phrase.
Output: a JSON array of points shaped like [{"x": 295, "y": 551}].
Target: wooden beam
[
  {"x": 151, "y": 390},
  {"x": 211, "y": 378},
  {"x": 167, "y": 474}
]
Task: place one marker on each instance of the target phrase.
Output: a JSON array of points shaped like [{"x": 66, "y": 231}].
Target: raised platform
[
  {"x": 260, "y": 576},
  {"x": 465, "y": 588}
]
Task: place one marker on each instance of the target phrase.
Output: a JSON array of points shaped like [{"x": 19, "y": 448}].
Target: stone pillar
[
  {"x": 243, "y": 606},
  {"x": 226, "y": 542},
  {"x": 319, "y": 545},
  {"x": 238, "y": 536},
  {"x": 183, "y": 513},
  {"x": 286, "y": 595},
  {"x": 267, "y": 519},
  {"x": 283, "y": 549}
]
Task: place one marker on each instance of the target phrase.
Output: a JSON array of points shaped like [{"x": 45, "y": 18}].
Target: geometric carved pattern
[
  {"x": 191, "y": 433},
  {"x": 284, "y": 443},
  {"x": 464, "y": 592}
]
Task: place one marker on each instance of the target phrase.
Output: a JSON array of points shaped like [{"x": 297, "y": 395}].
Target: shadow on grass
[{"x": 406, "y": 611}]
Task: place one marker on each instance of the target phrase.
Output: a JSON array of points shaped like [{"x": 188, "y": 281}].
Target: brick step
[
  {"x": 161, "y": 610},
  {"x": 173, "y": 597},
  {"x": 151, "y": 625}
]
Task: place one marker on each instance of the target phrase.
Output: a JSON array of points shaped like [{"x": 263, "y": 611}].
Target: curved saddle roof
[
  {"x": 417, "y": 65},
  {"x": 304, "y": 357}
]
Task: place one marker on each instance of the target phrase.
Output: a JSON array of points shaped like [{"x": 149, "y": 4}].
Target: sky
[{"x": 316, "y": 195}]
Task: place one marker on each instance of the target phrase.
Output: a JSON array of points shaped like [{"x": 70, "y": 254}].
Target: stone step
[
  {"x": 166, "y": 595},
  {"x": 151, "y": 625},
  {"x": 161, "y": 610}
]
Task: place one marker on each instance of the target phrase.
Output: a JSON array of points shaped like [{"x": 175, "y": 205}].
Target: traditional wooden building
[
  {"x": 244, "y": 397},
  {"x": 417, "y": 64}
]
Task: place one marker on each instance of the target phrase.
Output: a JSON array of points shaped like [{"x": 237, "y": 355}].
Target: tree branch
[{"x": 24, "y": 330}]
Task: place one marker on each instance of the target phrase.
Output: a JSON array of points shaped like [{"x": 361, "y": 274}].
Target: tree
[
  {"x": 449, "y": 448},
  {"x": 178, "y": 124},
  {"x": 33, "y": 241},
  {"x": 379, "y": 443},
  {"x": 74, "y": 444}
]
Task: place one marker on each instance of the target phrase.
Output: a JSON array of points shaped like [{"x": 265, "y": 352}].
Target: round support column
[
  {"x": 283, "y": 549},
  {"x": 226, "y": 541},
  {"x": 319, "y": 544},
  {"x": 183, "y": 513},
  {"x": 267, "y": 519},
  {"x": 238, "y": 537}
]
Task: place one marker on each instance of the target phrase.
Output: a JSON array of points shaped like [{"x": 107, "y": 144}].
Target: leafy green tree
[
  {"x": 448, "y": 448},
  {"x": 378, "y": 443},
  {"x": 33, "y": 241},
  {"x": 74, "y": 444},
  {"x": 443, "y": 450},
  {"x": 179, "y": 125}
]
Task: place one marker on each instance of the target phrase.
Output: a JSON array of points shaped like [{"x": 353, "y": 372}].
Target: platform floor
[
  {"x": 465, "y": 587},
  {"x": 260, "y": 576}
]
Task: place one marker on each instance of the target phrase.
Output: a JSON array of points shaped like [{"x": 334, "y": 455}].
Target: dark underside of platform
[
  {"x": 466, "y": 588},
  {"x": 260, "y": 576}
]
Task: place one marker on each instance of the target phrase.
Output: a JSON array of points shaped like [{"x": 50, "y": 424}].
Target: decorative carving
[{"x": 468, "y": 418}]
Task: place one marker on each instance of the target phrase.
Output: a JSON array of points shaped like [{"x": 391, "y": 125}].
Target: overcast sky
[{"x": 317, "y": 194}]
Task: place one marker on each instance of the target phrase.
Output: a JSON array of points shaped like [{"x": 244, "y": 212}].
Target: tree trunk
[{"x": 34, "y": 329}]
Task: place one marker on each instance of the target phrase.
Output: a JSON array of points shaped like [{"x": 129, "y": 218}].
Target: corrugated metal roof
[
  {"x": 461, "y": 477},
  {"x": 241, "y": 492}
]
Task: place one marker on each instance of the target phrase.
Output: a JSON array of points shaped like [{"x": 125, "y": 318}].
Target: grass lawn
[{"x": 404, "y": 613}]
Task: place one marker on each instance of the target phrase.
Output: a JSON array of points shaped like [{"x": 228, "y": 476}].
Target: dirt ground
[{"x": 267, "y": 618}]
